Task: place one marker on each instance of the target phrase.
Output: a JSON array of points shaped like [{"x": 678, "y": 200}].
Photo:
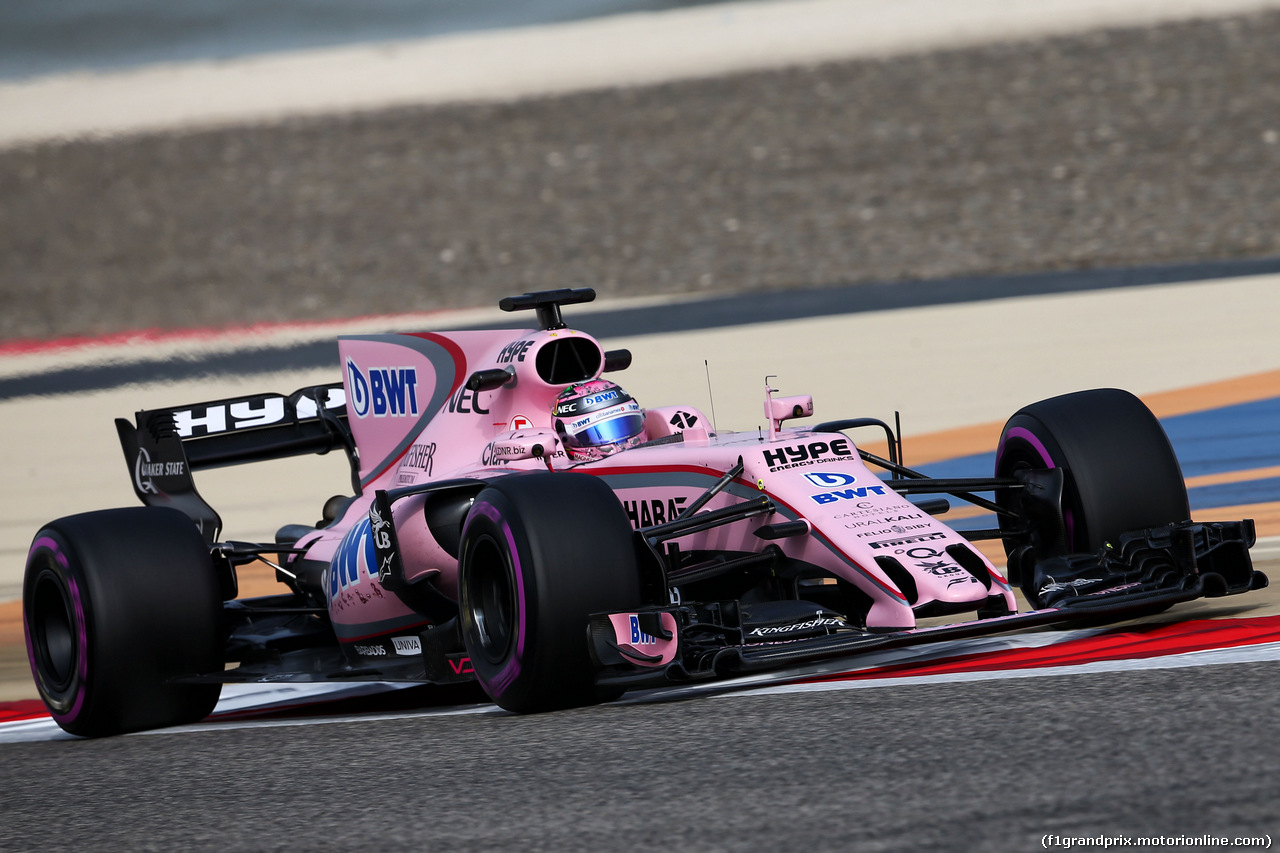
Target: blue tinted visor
[{"x": 608, "y": 432}]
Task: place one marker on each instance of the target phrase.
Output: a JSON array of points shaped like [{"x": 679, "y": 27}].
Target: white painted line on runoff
[
  {"x": 620, "y": 50},
  {"x": 244, "y": 697},
  {"x": 1206, "y": 657},
  {"x": 260, "y": 697},
  {"x": 44, "y": 729},
  {"x": 226, "y": 725},
  {"x": 864, "y": 661},
  {"x": 1265, "y": 549},
  {"x": 960, "y": 364},
  {"x": 25, "y": 358}
]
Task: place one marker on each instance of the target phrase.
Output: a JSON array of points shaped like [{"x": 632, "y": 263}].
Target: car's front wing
[{"x": 1146, "y": 572}]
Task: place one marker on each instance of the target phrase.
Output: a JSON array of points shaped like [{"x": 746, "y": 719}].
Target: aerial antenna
[
  {"x": 707, "y": 367},
  {"x": 768, "y": 408}
]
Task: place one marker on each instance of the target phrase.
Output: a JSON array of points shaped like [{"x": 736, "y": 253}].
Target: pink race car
[{"x": 520, "y": 521}]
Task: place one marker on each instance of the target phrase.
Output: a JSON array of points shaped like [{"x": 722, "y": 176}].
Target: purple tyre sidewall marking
[
  {"x": 82, "y": 636},
  {"x": 1045, "y": 457},
  {"x": 1030, "y": 438},
  {"x": 509, "y": 673}
]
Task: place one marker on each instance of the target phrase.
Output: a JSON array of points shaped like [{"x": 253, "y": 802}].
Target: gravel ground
[{"x": 1124, "y": 147}]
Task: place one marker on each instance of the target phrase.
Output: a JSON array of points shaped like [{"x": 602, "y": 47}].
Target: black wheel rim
[
  {"x": 53, "y": 632},
  {"x": 1012, "y": 462},
  {"x": 491, "y": 597},
  {"x": 1020, "y": 457}
]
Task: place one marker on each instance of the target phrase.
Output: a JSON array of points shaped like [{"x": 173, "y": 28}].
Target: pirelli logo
[{"x": 908, "y": 540}]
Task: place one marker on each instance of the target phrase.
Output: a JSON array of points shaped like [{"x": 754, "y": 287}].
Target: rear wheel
[
  {"x": 539, "y": 554},
  {"x": 1120, "y": 473},
  {"x": 115, "y": 604}
]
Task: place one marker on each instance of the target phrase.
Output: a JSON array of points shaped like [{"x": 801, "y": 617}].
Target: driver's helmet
[{"x": 596, "y": 419}]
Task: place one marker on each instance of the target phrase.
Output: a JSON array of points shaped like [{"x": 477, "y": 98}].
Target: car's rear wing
[{"x": 164, "y": 446}]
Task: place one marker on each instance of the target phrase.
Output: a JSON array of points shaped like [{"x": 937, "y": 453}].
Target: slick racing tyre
[
  {"x": 115, "y": 604},
  {"x": 539, "y": 554},
  {"x": 1120, "y": 473}
]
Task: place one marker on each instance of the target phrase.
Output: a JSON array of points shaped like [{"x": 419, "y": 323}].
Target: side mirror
[
  {"x": 779, "y": 409},
  {"x": 523, "y": 444}
]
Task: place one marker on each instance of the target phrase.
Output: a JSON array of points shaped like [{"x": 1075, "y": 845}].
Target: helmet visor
[{"x": 608, "y": 432}]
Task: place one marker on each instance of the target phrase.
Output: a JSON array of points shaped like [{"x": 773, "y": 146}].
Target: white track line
[
  {"x": 44, "y": 729},
  {"x": 620, "y": 50},
  {"x": 1204, "y": 657}
]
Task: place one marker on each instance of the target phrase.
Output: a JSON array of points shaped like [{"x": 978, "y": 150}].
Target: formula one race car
[{"x": 520, "y": 521}]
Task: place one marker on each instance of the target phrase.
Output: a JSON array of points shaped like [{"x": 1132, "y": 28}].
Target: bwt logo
[
  {"x": 847, "y": 494},
  {"x": 355, "y": 551},
  {"x": 827, "y": 480},
  {"x": 387, "y": 391},
  {"x": 638, "y": 637}
]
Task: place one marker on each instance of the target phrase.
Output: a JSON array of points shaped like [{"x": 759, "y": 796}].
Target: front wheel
[
  {"x": 1119, "y": 474},
  {"x": 539, "y": 554},
  {"x": 117, "y": 604}
]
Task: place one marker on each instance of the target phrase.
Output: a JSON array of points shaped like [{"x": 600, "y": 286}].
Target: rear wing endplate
[{"x": 164, "y": 446}]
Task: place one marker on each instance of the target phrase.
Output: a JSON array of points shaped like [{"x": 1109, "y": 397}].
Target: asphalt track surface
[{"x": 986, "y": 766}]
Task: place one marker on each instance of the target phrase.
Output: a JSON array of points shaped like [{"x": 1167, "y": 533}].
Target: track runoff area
[{"x": 1201, "y": 354}]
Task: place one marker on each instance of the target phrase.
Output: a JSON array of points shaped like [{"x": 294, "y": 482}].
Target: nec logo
[
  {"x": 387, "y": 391},
  {"x": 829, "y": 480}
]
